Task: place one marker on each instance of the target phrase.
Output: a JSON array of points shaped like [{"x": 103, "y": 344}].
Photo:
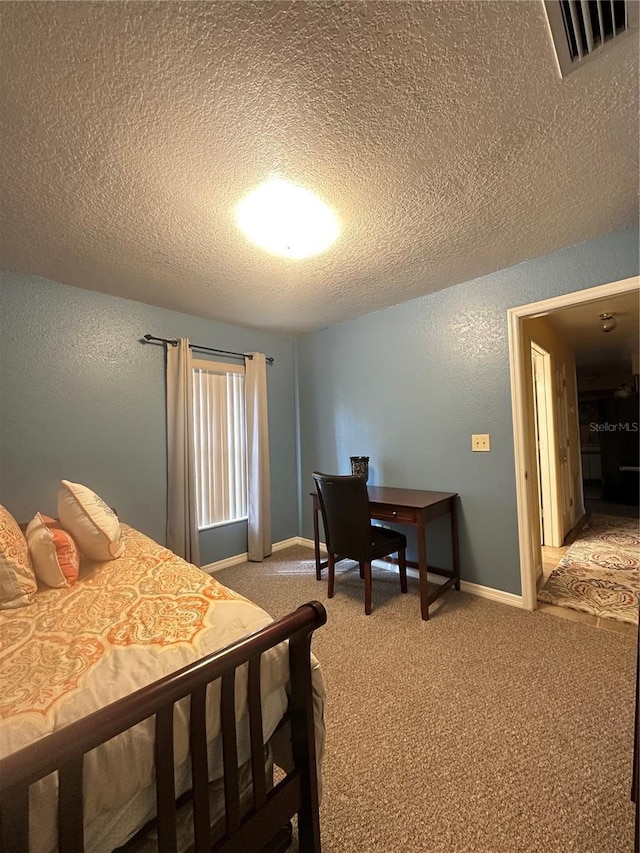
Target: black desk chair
[{"x": 344, "y": 504}]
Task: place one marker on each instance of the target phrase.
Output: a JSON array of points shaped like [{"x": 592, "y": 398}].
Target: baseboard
[
  {"x": 492, "y": 594},
  {"x": 288, "y": 543},
  {"x": 477, "y": 589},
  {"x": 211, "y": 568}
]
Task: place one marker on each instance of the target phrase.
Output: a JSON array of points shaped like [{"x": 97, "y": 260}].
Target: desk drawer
[{"x": 389, "y": 512}]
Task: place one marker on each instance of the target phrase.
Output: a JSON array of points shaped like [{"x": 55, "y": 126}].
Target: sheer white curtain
[
  {"x": 182, "y": 525},
  {"x": 259, "y": 528}
]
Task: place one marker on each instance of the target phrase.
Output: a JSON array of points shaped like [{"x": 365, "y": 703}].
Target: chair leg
[
  {"x": 402, "y": 565},
  {"x": 367, "y": 588},
  {"x": 332, "y": 572},
  {"x": 362, "y": 570}
]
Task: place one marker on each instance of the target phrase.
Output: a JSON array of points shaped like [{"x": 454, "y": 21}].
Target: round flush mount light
[
  {"x": 607, "y": 322},
  {"x": 287, "y": 219}
]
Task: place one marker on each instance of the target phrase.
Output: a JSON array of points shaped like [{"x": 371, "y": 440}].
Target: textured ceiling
[{"x": 439, "y": 132}]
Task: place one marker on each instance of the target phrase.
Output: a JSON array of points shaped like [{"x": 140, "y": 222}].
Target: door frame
[
  {"x": 546, "y": 460},
  {"x": 528, "y": 511}
]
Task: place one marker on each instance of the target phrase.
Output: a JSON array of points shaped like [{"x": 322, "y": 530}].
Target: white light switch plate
[{"x": 481, "y": 442}]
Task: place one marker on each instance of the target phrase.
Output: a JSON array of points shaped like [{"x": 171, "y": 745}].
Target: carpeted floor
[
  {"x": 600, "y": 572},
  {"x": 487, "y": 729}
]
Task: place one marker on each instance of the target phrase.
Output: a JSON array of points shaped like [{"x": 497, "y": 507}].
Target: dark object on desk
[
  {"x": 360, "y": 466},
  {"x": 344, "y": 503}
]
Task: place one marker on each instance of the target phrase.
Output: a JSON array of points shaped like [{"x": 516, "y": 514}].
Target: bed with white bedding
[{"x": 122, "y": 626}]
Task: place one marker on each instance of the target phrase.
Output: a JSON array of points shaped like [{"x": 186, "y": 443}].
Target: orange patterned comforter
[
  {"x": 124, "y": 624},
  {"x": 149, "y": 599}
]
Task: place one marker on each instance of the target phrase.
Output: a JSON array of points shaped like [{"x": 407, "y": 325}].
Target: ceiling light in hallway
[{"x": 287, "y": 219}]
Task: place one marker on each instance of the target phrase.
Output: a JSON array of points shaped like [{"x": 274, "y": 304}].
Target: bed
[{"x": 144, "y": 706}]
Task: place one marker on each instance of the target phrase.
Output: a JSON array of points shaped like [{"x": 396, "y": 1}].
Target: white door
[
  {"x": 565, "y": 481},
  {"x": 543, "y": 424}
]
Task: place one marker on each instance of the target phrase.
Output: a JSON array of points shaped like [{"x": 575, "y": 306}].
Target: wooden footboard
[{"x": 64, "y": 750}]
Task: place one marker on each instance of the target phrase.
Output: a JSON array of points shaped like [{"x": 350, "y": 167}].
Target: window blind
[{"x": 220, "y": 444}]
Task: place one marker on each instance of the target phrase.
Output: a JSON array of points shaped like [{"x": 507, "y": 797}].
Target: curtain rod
[{"x": 174, "y": 343}]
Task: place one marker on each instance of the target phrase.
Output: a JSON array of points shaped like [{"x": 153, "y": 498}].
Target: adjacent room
[
  {"x": 586, "y": 402},
  {"x": 315, "y": 318}
]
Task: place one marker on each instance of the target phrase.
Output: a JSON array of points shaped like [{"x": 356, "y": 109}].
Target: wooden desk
[{"x": 416, "y": 508}]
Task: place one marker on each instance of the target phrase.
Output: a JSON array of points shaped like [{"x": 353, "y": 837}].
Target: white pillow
[
  {"x": 18, "y": 583},
  {"x": 54, "y": 553},
  {"x": 93, "y": 524}
]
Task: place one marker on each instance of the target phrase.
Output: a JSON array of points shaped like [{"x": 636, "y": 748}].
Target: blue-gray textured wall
[
  {"x": 409, "y": 385},
  {"x": 82, "y": 399}
]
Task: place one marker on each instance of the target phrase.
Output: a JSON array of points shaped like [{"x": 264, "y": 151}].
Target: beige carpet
[{"x": 487, "y": 729}]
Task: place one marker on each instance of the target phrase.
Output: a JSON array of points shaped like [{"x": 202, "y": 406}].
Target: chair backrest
[{"x": 344, "y": 503}]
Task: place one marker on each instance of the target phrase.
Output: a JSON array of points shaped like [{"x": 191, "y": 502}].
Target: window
[{"x": 220, "y": 443}]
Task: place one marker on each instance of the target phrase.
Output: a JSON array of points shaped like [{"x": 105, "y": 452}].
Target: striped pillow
[{"x": 54, "y": 554}]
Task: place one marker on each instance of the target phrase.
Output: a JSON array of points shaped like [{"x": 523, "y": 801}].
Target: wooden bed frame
[{"x": 297, "y": 793}]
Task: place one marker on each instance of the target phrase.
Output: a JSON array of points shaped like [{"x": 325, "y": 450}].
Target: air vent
[{"x": 581, "y": 29}]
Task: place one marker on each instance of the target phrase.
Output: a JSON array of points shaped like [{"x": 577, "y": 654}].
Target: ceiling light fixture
[
  {"x": 287, "y": 219},
  {"x": 607, "y": 322}
]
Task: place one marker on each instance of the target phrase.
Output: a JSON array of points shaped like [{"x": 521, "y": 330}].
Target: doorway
[{"x": 527, "y": 481}]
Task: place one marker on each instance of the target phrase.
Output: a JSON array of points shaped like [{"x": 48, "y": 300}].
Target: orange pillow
[{"x": 54, "y": 554}]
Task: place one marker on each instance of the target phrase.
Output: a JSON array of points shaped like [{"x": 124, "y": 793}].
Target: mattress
[{"x": 123, "y": 625}]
